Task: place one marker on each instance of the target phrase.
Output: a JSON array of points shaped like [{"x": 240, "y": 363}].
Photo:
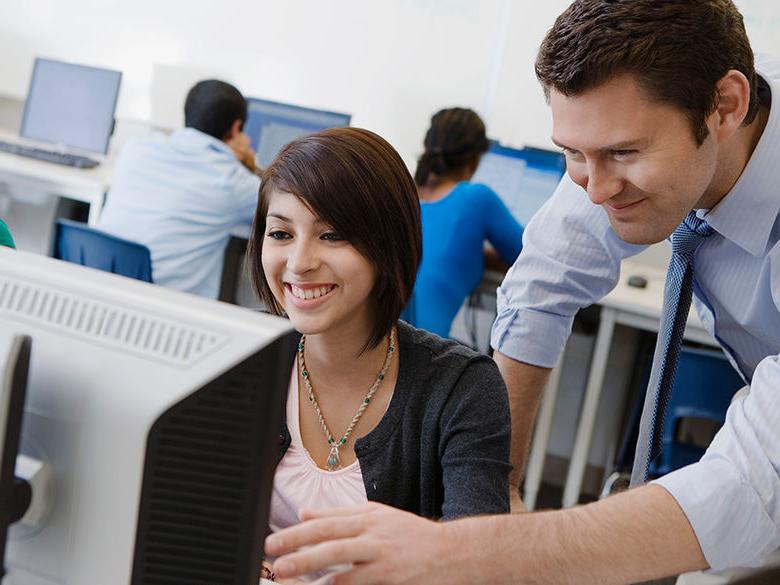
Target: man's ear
[
  {"x": 234, "y": 130},
  {"x": 733, "y": 104}
]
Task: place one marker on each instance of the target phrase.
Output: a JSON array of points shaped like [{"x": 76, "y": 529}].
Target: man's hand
[
  {"x": 386, "y": 546},
  {"x": 638, "y": 535},
  {"x": 242, "y": 148}
]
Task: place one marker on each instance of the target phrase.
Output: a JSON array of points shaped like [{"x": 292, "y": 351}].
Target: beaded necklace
[{"x": 333, "y": 461}]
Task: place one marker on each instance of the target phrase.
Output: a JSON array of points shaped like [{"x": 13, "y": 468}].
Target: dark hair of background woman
[{"x": 455, "y": 139}]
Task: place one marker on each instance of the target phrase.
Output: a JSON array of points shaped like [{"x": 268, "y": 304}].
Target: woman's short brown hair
[
  {"x": 677, "y": 50},
  {"x": 357, "y": 183}
]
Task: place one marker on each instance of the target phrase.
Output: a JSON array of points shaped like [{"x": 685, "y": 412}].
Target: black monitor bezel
[{"x": 9, "y": 447}]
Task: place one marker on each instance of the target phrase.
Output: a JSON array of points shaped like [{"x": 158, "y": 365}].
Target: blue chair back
[
  {"x": 78, "y": 243},
  {"x": 705, "y": 384}
]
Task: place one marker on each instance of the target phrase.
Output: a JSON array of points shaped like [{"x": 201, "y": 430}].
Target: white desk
[
  {"x": 32, "y": 192},
  {"x": 33, "y": 188},
  {"x": 40, "y": 177},
  {"x": 636, "y": 308}
]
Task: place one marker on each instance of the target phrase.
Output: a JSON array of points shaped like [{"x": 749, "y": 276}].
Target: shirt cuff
[
  {"x": 726, "y": 513},
  {"x": 516, "y": 334}
]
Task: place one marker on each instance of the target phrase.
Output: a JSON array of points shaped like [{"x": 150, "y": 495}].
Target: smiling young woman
[{"x": 377, "y": 410}]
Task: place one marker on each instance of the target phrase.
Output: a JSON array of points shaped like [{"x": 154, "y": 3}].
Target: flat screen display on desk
[
  {"x": 523, "y": 178},
  {"x": 271, "y": 125},
  {"x": 71, "y": 105}
]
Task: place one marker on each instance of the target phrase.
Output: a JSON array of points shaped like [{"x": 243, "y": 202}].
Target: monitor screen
[
  {"x": 71, "y": 105},
  {"x": 523, "y": 178},
  {"x": 14, "y": 361},
  {"x": 157, "y": 414},
  {"x": 271, "y": 125}
]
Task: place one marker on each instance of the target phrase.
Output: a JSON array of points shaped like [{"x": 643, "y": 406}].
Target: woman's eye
[
  {"x": 278, "y": 235},
  {"x": 331, "y": 236}
]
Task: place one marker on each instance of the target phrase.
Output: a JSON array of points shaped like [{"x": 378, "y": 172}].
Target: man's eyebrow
[{"x": 624, "y": 145}]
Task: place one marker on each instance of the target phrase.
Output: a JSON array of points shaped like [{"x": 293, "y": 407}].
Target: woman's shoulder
[
  {"x": 443, "y": 361},
  {"x": 478, "y": 190}
]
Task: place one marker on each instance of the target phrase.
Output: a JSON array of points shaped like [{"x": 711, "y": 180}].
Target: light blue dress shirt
[
  {"x": 181, "y": 196},
  {"x": 571, "y": 258}
]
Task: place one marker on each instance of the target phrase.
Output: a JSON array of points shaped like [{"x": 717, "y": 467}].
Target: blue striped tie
[{"x": 677, "y": 302}]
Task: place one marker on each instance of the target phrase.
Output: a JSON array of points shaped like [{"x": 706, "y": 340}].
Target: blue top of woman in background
[{"x": 457, "y": 218}]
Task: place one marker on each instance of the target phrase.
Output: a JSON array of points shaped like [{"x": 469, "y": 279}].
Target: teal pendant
[{"x": 333, "y": 461}]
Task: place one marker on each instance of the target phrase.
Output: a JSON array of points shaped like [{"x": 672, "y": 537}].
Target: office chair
[
  {"x": 703, "y": 388},
  {"x": 78, "y": 243},
  {"x": 705, "y": 384}
]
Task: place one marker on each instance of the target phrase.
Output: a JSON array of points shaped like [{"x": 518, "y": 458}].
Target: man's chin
[{"x": 640, "y": 234}]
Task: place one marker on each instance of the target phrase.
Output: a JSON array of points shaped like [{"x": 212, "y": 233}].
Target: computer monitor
[
  {"x": 71, "y": 105},
  {"x": 271, "y": 125},
  {"x": 523, "y": 178},
  {"x": 14, "y": 361},
  {"x": 158, "y": 414}
]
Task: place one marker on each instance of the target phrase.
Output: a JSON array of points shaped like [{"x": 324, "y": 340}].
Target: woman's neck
[
  {"x": 435, "y": 190},
  {"x": 336, "y": 362}
]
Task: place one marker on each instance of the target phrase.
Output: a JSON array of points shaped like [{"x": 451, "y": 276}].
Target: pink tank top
[{"x": 299, "y": 483}]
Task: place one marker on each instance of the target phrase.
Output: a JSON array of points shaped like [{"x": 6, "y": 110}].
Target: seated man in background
[{"x": 181, "y": 195}]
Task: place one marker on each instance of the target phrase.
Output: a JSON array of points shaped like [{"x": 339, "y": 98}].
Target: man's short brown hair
[
  {"x": 358, "y": 184},
  {"x": 677, "y": 50}
]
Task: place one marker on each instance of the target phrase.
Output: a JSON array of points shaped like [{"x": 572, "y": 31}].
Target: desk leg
[
  {"x": 95, "y": 208},
  {"x": 533, "y": 476},
  {"x": 579, "y": 456}
]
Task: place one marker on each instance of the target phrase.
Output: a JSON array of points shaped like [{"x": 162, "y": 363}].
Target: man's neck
[{"x": 734, "y": 157}]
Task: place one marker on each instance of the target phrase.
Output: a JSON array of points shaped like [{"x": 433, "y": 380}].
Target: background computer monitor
[
  {"x": 14, "y": 361},
  {"x": 271, "y": 125},
  {"x": 523, "y": 178},
  {"x": 158, "y": 414},
  {"x": 71, "y": 105}
]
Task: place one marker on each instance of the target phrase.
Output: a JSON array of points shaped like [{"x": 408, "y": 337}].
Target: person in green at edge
[{"x": 5, "y": 235}]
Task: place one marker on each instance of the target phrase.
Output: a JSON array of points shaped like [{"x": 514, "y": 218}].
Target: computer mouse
[{"x": 637, "y": 281}]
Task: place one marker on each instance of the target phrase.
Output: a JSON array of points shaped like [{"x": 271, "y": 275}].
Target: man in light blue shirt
[
  {"x": 182, "y": 195},
  {"x": 659, "y": 111}
]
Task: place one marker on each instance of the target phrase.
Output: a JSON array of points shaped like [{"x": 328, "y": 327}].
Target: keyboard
[{"x": 52, "y": 156}]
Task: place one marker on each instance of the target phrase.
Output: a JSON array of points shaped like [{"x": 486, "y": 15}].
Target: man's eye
[
  {"x": 331, "y": 236},
  {"x": 623, "y": 153},
  {"x": 278, "y": 235}
]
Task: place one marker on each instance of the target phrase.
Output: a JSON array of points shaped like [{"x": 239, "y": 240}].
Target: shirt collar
[
  {"x": 747, "y": 214},
  {"x": 192, "y": 139}
]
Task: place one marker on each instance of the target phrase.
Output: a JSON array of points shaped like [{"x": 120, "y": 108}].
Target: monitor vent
[
  {"x": 207, "y": 478},
  {"x": 150, "y": 335}
]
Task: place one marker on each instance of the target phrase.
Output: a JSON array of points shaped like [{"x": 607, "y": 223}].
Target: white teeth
[{"x": 311, "y": 293}]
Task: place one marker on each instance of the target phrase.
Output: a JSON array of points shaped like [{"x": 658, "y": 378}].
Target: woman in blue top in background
[{"x": 457, "y": 218}]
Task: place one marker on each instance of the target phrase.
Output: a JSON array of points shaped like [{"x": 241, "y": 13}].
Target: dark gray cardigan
[{"x": 442, "y": 448}]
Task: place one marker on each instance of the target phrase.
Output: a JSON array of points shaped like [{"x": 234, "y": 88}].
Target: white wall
[{"x": 391, "y": 64}]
